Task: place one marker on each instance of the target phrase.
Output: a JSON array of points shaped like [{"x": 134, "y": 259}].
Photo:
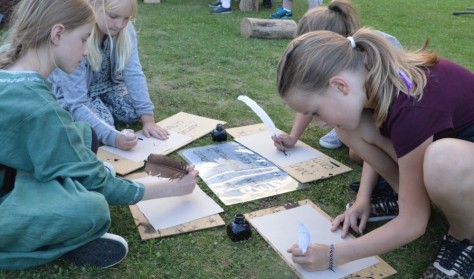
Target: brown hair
[
  {"x": 310, "y": 60},
  {"x": 33, "y": 20},
  {"x": 339, "y": 16}
]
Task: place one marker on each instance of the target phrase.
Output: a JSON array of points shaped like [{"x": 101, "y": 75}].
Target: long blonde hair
[
  {"x": 310, "y": 60},
  {"x": 123, "y": 48},
  {"x": 33, "y": 21},
  {"x": 339, "y": 16}
]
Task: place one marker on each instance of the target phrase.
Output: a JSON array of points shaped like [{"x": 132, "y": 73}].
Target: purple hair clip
[{"x": 407, "y": 81}]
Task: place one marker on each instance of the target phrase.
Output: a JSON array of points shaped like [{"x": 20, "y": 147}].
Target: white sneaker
[
  {"x": 330, "y": 140},
  {"x": 108, "y": 167},
  {"x": 106, "y": 251}
]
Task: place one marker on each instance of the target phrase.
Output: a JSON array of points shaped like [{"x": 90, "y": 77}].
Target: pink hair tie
[{"x": 407, "y": 81}]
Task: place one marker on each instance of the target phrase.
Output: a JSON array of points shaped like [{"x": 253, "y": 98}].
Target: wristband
[{"x": 331, "y": 257}]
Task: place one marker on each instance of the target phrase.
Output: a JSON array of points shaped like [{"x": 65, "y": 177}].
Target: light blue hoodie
[{"x": 71, "y": 90}]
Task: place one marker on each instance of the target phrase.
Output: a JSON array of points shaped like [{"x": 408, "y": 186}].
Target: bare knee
[
  {"x": 442, "y": 165},
  {"x": 355, "y": 157}
]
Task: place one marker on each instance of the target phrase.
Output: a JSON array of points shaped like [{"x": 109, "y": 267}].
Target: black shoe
[
  {"x": 215, "y": 4},
  {"x": 455, "y": 259},
  {"x": 382, "y": 208},
  {"x": 381, "y": 188},
  {"x": 106, "y": 251},
  {"x": 267, "y": 4}
]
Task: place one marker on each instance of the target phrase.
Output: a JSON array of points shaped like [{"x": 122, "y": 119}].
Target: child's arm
[
  {"x": 300, "y": 123},
  {"x": 410, "y": 224},
  {"x": 170, "y": 188},
  {"x": 150, "y": 128}
]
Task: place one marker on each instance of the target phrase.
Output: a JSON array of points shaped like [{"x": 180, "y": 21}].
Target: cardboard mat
[
  {"x": 147, "y": 231},
  {"x": 183, "y": 123},
  {"x": 271, "y": 229},
  {"x": 320, "y": 167}
]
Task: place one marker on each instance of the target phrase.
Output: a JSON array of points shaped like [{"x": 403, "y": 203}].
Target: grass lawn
[{"x": 198, "y": 63}]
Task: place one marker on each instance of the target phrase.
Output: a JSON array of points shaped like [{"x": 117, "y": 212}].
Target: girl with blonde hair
[
  {"x": 410, "y": 116},
  {"x": 109, "y": 86},
  {"x": 54, "y": 193},
  {"x": 340, "y": 16}
]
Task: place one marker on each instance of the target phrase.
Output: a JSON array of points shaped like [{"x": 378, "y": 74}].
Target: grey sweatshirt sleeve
[
  {"x": 391, "y": 39},
  {"x": 71, "y": 92},
  {"x": 135, "y": 79}
]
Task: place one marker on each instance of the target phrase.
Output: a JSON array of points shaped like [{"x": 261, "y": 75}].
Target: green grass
[{"x": 198, "y": 63}]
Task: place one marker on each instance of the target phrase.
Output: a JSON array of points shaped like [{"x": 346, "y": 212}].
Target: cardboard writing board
[
  {"x": 378, "y": 270},
  {"x": 147, "y": 231},
  {"x": 320, "y": 167},
  {"x": 182, "y": 123}
]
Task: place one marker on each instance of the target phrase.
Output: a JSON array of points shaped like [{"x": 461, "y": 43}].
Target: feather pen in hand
[
  {"x": 260, "y": 113},
  {"x": 160, "y": 165}
]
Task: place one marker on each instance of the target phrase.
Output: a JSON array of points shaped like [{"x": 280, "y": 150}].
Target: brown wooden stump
[
  {"x": 267, "y": 28},
  {"x": 248, "y": 5}
]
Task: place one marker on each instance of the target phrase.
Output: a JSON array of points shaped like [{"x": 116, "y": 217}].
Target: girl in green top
[{"x": 54, "y": 193}]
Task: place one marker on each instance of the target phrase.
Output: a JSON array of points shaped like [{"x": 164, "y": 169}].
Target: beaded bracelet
[{"x": 331, "y": 257}]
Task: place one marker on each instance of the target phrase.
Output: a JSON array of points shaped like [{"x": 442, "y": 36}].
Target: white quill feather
[
  {"x": 304, "y": 238},
  {"x": 260, "y": 112}
]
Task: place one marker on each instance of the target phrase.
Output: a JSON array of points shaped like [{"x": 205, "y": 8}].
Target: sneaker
[
  {"x": 108, "y": 167},
  {"x": 215, "y": 4},
  {"x": 382, "y": 188},
  {"x": 267, "y": 4},
  {"x": 281, "y": 13},
  {"x": 455, "y": 259},
  {"x": 221, "y": 10},
  {"x": 106, "y": 251},
  {"x": 330, "y": 140},
  {"x": 382, "y": 208}
]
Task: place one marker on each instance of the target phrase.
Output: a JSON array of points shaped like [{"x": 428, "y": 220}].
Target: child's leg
[
  {"x": 41, "y": 221},
  {"x": 314, "y": 3},
  {"x": 120, "y": 104},
  {"x": 449, "y": 179},
  {"x": 225, "y": 3},
  {"x": 101, "y": 110}
]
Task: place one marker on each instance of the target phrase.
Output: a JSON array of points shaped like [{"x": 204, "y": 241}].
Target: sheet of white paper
[
  {"x": 146, "y": 146},
  {"x": 262, "y": 144},
  {"x": 169, "y": 212},
  {"x": 279, "y": 229}
]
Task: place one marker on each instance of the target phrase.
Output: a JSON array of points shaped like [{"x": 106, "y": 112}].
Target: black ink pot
[
  {"x": 219, "y": 134},
  {"x": 239, "y": 229}
]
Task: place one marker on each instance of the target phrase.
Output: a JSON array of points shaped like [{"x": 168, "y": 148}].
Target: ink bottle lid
[{"x": 239, "y": 229}]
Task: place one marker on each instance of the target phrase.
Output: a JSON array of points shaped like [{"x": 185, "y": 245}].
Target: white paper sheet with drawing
[
  {"x": 262, "y": 144},
  {"x": 169, "y": 212},
  {"x": 281, "y": 228},
  {"x": 146, "y": 146}
]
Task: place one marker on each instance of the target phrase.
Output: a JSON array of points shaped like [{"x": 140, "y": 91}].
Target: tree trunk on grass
[{"x": 267, "y": 28}]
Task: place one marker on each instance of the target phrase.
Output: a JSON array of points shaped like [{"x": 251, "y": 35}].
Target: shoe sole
[
  {"x": 375, "y": 219},
  {"x": 380, "y": 219},
  {"x": 103, "y": 252},
  {"x": 221, "y": 13},
  {"x": 329, "y": 146}
]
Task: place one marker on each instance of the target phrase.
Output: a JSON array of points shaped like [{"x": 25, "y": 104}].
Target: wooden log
[
  {"x": 267, "y": 28},
  {"x": 248, "y": 5}
]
